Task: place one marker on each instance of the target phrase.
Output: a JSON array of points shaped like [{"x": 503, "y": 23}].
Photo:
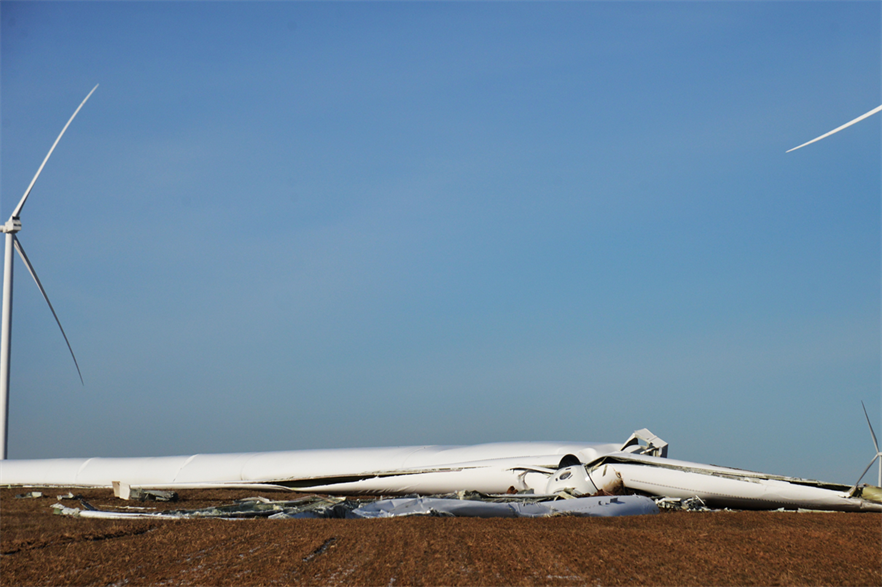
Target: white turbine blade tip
[
  {"x": 836, "y": 130},
  {"x": 24, "y": 198}
]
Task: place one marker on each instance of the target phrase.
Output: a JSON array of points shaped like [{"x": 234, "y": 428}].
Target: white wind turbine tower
[{"x": 12, "y": 226}]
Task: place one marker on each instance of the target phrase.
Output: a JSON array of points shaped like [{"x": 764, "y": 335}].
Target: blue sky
[{"x": 300, "y": 225}]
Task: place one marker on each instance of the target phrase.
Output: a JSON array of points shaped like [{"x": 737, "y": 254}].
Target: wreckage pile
[
  {"x": 637, "y": 467},
  {"x": 671, "y": 548},
  {"x": 464, "y": 504}
]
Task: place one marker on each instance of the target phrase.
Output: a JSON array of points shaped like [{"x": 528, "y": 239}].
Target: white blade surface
[
  {"x": 21, "y": 203},
  {"x": 33, "y": 273},
  {"x": 836, "y": 130}
]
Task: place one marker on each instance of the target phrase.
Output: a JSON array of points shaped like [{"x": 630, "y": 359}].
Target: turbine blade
[
  {"x": 865, "y": 470},
  {"x": 876, "y": 444},
  {"x": 33, "y": 273},
  {"x": 836, "y": 130},
  {"x": 21, "y": 203}
]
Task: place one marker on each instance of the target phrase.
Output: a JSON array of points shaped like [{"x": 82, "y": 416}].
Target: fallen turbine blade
[
  {"x": 836, "y": 130},
  {"x": 876, "y": 444},
  {"x": 33, "y": 273},
  {"x": 21, "y": 203}
]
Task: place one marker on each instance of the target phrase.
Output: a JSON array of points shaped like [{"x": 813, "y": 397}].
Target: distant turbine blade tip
[{"x": 836, "y": 130}]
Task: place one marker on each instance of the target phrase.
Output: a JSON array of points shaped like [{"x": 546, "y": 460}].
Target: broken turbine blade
[{"x": 33, "y": 273}]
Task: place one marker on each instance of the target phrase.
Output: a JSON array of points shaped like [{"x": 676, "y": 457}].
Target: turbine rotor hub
[{"x": 12, "y": 225}]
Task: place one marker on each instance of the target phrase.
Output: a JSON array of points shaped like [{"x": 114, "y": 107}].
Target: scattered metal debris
[
  {"x": 127, "y": 492},
  {"x": 623, "y": 505},
  {"x": 690, "y": 504},
  {"x": 868, "y": 492},
  {"x": 473, "y": 505},
  {"x": 64, "y": 510},
  {"x": 321, "y": 549}
]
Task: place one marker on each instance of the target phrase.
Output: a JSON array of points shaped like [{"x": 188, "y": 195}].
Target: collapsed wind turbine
[{"x": 12, "y": 226}]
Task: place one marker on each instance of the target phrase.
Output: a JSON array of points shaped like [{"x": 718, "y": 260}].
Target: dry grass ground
[{"x": 719, "y": 548}]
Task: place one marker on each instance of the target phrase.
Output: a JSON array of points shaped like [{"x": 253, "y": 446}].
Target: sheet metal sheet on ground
[{"x": 329, "y": 507}]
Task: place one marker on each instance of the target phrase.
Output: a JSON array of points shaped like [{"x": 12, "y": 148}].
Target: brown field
[{"x": 680, "y": 548}]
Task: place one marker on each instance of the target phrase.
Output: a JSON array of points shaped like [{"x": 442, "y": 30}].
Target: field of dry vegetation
[{"x": 678, "y": 548}]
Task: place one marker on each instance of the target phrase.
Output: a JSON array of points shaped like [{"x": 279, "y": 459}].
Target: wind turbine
[
  {"x": 878, "y": 452},
  {"x": 12, "y": 226}
]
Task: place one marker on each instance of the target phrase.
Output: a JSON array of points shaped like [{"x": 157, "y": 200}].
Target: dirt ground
[{"x": 679, "y": 548}]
